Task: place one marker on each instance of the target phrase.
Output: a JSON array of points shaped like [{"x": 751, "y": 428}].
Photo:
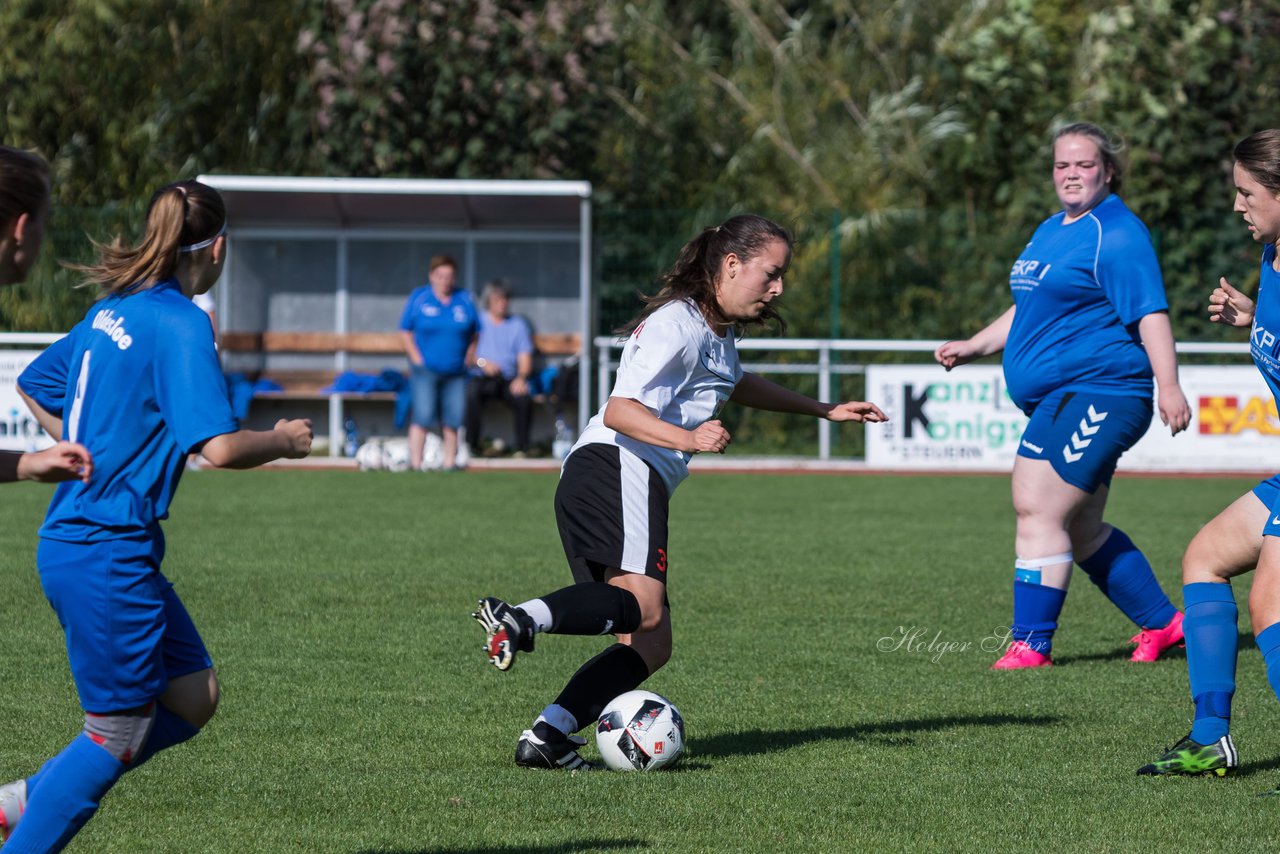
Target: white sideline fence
[
  {"x": 939, "y": 420},
  {"x": 963, "y": 419}
]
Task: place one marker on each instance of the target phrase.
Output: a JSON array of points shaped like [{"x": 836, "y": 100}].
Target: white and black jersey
[{"x": 678, "y": 367}]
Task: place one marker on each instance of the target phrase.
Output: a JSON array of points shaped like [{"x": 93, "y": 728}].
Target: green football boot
[{"x": 1190, "y": 758}]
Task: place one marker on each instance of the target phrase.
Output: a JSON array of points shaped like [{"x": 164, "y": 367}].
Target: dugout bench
[{"x": 304, "y": 393}]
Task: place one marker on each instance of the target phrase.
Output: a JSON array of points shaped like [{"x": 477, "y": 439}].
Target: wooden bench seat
[{"x": 307, "y": 384}]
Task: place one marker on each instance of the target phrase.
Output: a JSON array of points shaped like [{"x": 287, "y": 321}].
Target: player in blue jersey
[
  {"x": 1088, "y": 328},
  {"x": 138, "y": 382},
  {"x": 1246, "y": 535},
  {"x": 24, "y": 210},
  {"x": 678, "y": 369}
]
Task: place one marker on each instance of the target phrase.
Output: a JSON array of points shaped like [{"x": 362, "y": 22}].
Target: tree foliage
[{"x": 905, "y": 141}]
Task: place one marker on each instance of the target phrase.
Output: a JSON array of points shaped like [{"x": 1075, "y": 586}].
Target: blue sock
[
  {"x": 1210, "y": 630},
  {"x": 1035, "y": 611},
  {"x": 168, "y": 730},
  {"x": 68, "y": 796},
  {"x": 43, "y": 769},
  {"x": 1124, "y": 576},
  {"x": 1269, "y": 644}
]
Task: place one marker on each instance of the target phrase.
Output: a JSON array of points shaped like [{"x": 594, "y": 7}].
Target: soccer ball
[
  {"x": 369, "y": 457},
  {"x": 639, "y": 731},
  {"x": 395, "y": 455}
]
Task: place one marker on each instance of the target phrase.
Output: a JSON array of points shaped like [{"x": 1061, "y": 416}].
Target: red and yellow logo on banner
[{"x": 1225, "y": 416}]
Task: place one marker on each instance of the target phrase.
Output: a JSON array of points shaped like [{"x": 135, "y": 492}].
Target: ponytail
[
  {"x": 185, "y": 216},
  {"x": 694, "y": 274}
]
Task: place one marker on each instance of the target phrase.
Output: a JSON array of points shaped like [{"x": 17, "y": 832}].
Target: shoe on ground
[
  {"x": 508, "y": 631},
  {"x": 13, "y": 802},
  {"x": 533, "y": 752},
  {"x": 1019, "y": 656},
  {"x": 1152, "y": 642},
  {"x": 1190, "y": 758}
]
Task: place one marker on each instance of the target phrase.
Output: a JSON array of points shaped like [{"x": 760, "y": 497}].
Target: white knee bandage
[{"x": 1029, "y": 569}]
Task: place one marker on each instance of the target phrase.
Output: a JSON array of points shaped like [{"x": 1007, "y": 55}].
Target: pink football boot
[
  {"x": 1019, "y": 656},
  {"x": 1152, "y": 642}
]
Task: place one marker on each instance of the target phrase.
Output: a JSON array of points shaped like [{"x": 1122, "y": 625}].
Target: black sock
[
  {"x": 594, "y": 608},
  {"x": 615, "y": 671}
]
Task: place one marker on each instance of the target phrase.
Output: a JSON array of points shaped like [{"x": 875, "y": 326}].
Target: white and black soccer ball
[
  {"x": 369, "y": 456},
  {"x": 395, "y": 455},
  {"x": 639, "y": 731}
]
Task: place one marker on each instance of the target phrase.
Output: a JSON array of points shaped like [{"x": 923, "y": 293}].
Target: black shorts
[{"x": 611, "y": 508}]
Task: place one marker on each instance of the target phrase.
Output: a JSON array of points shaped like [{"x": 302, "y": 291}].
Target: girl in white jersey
[{"x": 679, "y": 368}]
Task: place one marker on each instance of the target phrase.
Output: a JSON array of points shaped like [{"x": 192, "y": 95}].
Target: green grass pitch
[{"x": 358, "y": 714}]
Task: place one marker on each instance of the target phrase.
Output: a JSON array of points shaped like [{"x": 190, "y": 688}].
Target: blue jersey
[
  {"x": 504, "y": 343},
  {"x": 138, "y": 383},
  {"x": 442, "y": 331},
  {"x": 1080, "y": 290},
  {"x": 1264, "y": 338}
]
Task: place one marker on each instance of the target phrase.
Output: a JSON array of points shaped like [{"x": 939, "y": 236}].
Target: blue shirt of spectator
[
  {"x": 502, "y": 342},
  {"x": 442, "y": 330}
]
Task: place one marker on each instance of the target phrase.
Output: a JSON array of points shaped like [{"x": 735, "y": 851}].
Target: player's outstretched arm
[
  {"x": 632, "y": 418},
  {"x": 757, "y": 392},
  {"x": 63, "y": 461},
  {"x": 991, "y": 339},
  {"x": 1230, "y": 307},
  {"x": 245, "y": 449}
]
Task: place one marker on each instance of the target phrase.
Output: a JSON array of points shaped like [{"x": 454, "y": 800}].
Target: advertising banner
[
  {"x": 18, "y": 430},
  {"x": 964, "y": 419}
]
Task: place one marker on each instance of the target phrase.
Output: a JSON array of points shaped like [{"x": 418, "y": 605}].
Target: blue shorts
[
  {"x": 1082, "y": 434},
  {"x": 438, "y": 399},
  {"x": 1268, "y": 493},
  {"x": 127, "y": 632}
]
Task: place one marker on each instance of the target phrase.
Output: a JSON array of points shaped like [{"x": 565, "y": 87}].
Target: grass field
[{"x": 359, "y": 716}]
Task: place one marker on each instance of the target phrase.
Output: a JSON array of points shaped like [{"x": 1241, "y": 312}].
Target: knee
[
  {"x": 1200, "y": 563},
  {"x": 194, "y": 698}
]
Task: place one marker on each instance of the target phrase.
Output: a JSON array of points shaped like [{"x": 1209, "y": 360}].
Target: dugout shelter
[{"x": 319, "y": 269}]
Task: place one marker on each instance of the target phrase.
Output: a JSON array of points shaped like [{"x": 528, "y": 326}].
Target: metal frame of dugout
[{"x": 340, "y": 256}]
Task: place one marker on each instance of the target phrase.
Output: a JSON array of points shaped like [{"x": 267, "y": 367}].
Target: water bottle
[
  {"x": 352, "y": 443},
  {"x": 563, "y": 442}
]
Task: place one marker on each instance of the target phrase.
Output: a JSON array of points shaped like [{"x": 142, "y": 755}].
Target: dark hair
[
  {"x": 24, "y": 183},
  {"x": 1259, "y": 154},
  {"x": 180, "y": 216},
  {"x": 1108, "y": 148},
  {"x": 697, "y": 267},
  {"x": 441, "y": 261}
]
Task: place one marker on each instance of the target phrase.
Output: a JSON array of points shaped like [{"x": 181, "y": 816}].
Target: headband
[{"x": 196, "y": 247}]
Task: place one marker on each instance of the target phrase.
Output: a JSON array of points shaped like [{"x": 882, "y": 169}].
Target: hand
[
  {"x": 1174, "y": 409},
  {"x": 710, "y": 437},
  {"x": 857, "y": 410},
  {"x": 519, "y": 386},
  {"x": 1227, "y": 305},
  {"x": 298, "y": 434},
  {"x": 952, "y": 354},
  {"x": 63, "y": 461}
]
